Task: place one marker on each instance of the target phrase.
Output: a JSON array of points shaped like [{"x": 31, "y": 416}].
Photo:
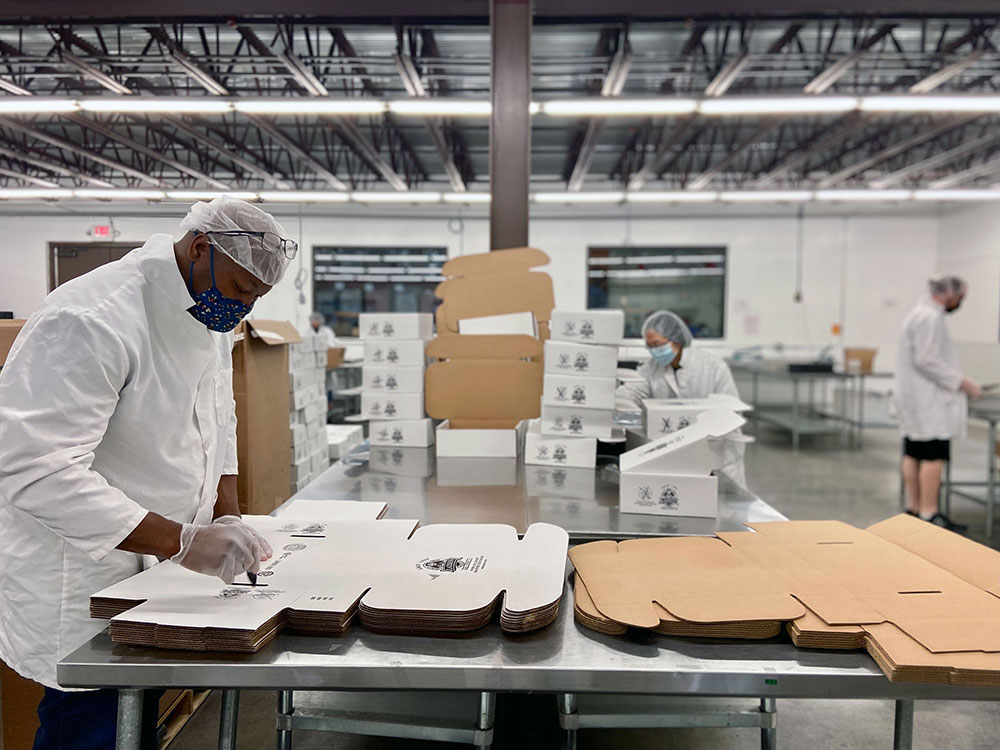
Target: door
[{"x": 70, "y": 260}]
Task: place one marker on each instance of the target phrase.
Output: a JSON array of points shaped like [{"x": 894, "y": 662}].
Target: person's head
[
  {"x": 233, "y": 254},
  {"x": 316, "y": 320},
  {"x": 948, "y": 291},
  {"x": 666, "y": 336}
]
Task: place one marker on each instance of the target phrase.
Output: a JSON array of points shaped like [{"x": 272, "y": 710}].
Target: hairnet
[
  {"x": 946, "y": 285},
  {"x": 668, "y": 325},
  {"x": 225, "y": 214},
  {"x": 317, "y": 317}
]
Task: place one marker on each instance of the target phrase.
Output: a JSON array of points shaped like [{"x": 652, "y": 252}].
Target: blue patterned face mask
[
  {"x": 663, "y": 354},
  {"x": 213, "y": 308}
]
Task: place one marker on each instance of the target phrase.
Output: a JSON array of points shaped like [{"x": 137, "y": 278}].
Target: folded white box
[
  {"x": 509, "y": 324},
  {"x": 393, "y": 379},
  {"x": 671, "y": 475},
  {"x": 574, "y": 422},
  {"x": 664, "y": 416},
  {"x": 392, "y": 406},
  {"x": 396, "y": 353},
  {"x": 396, "y": 326},
  {"x": 570, "y": 357},
  {"x": 408, "y": 433},
  {"x": 579, "y": 392},
  {"x": 544, "y": 450},
  {"x": 588, "y": 326},
  {"x": 476, "y": 443}
]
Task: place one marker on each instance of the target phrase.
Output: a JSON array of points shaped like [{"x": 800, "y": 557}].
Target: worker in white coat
[
  {"x": 318, "y": 327},
  {"x": 118, "y": 440},
  {"x": 931, "y": 397},
  {"x": 677, "y": 370}
]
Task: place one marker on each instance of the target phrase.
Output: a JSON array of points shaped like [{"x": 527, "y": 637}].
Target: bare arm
[
  {"x": 226, "y": 502},
  {"x": 155, "y": 535}
]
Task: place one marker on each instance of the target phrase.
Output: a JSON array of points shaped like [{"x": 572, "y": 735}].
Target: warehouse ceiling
[{"x": 266, "y": 59}]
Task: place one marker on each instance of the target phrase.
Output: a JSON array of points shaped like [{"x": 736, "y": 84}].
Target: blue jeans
[{"x": 88, "y": 720}]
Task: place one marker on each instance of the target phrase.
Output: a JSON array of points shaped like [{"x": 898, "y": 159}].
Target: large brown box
[
  {"x": 260, "y": 385},
  {"x": 8, "y": 332},
  {"x": 19, "y": 716}
]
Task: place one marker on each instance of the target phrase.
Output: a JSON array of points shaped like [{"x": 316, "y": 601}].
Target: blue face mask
[
  {"x": 665, "y": 354},
  {"x": 211, "y": 307}
]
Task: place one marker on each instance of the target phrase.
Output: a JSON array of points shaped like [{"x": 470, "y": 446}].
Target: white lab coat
[
  {"x": 929, "y": 404},
  {"x": 325, "y": 333},
  {"x": 114, "y": 401},
  {"x": 700, "y": 375}
]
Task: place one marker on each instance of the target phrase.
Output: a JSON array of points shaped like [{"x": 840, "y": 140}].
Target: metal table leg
[
  {"x": 769, "y": 728},
  {"x": 902, "y": 738},
  {"x": 861, "y": 408},
  {"x": 567, "y": 709},
  {"x": 946, "y": 490},
  {"x": 129, "y": 734},
  {"x": 991, "y": 463},
  {"x": 487, "y": 712},
  {"x": 285, "y": 708},
  {"x": 229, "y": 719},
  {"x": 795, "y": 413}
]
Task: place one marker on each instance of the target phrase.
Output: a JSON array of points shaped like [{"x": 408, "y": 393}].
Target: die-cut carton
[
  {"x": 663, "y": 416},
  {"x": 571, "y": 358},
  {"x": 578, "y": 391},
  {"x": 544, "y": 450}
]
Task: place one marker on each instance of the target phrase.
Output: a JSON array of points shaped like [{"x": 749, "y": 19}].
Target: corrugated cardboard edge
[{"x": 273, "y": 332}]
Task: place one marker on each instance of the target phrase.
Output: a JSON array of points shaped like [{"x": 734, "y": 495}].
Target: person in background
[
  {"x": 118, "y": 440},
  {"x": 318, "y": 327},
  {"x": 931, "y": 397},
  {"x": 678, "y": 370}
]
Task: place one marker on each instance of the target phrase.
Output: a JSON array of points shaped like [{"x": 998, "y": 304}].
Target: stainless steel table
[{"x": 988, "y": 411}]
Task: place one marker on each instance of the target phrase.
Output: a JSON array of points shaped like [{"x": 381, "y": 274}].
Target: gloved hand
[{"x": 224, "y": 548}]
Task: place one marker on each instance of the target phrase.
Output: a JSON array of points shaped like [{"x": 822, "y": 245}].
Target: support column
[{"x": 510, "y": 122}]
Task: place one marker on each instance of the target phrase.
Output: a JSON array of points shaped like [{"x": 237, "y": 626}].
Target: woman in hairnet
[{"x": 678, "y": 370}]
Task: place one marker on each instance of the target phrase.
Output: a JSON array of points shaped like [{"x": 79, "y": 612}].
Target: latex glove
[{"x": 225, "y": 548}]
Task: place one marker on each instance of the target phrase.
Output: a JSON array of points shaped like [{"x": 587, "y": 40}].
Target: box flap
[
  {"x": 494, "y": 389},
  {"x": 467, "y": 346},
  {"x": 510, "y": 260},
  {"x": 273, "y": 331},
  {"x": 715, "y": 401},
  {"x": 496, "y": 294},
  {"x": 673, "y": 451}
]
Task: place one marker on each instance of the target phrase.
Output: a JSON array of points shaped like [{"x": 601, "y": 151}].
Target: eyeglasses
[{"x": 267, "y": 241}]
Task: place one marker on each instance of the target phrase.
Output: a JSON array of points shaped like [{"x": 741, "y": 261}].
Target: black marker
[{"x": 252, "y": 577}]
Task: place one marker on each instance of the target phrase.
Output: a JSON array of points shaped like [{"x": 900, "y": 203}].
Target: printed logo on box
[
  {"x": 569, "y": 328},
  {"x": 388, "y": 329},
  {"x": 559, "y": 454},
  {"x": 378, "y": 355},
  {"x": 581, "y": 363},
  {"x": 393, "y": 355},
  {"x": 543, "y": 452},
  {"x": 383, "y": 433},
  {"x": 390, "y": 409},
  {"x": 390, "y": 383},
  {"x": 587, "y": 329},
  {"x": 558, "y": 424},
  {"x": 561, "y": 392},
  {"x": 579, "y": 395},
  {"x": 397, "y": 435},
  {"x": 373, "y": 328},
  {"x": 563, "y": 362},
  {"x": 437, "y": 566},
  {"x": 667, "y": 498},
  {"x": 575, "y": 424}
]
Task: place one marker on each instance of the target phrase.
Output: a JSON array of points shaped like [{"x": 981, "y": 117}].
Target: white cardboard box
[
  {"x": 478, "y": 443},
  {"x": 669, "y": 495},
  {"x": 566, "y": 420},
  {"x": 407, "y": 433},
  {"x": 541, "y": 450},
  {"x": 588, "y": 326},
  {"x": 393, "y": 379},
  {"x": 395, "y": 353},
  {"x": 579, "y": 392},
  {"x": 591, "y": 360},
  {"x": 392, "y": 406},
  {"x": 300, "y": 451},
  {"x": 302, "y": 469},
  {"x": 685, "y": 451},
  {"x": 513, "y": 324},
  {"x": 664, "y": 416},
  {"x": 396, "y": 326}
]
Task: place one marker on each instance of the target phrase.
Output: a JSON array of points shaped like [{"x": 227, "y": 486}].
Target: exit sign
[{"x": 102, "y": 230}]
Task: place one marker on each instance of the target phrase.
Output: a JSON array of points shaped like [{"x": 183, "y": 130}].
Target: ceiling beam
[
  {"x": 59, "y": 169},
  {"x": 94, "y": 74},
  {"x": 299, "y": 153},
  {"x": 932, "y": 162},
  {"x": 831, "y": 136},
  {"x": 728, "y": 74},
  {"x": 291, "y": 63},
  {"x": 28, "y": 178},
  {"x": 731, "y": 158},
  {"x": 195, "y": 71},
  {"x": 837, "y": 70},
  {"x": 954, "y": 180},
  {"x": 945, "y": 74}
]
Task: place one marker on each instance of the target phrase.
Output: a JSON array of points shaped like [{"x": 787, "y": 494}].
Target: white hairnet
[
  {"x": 946, "y": 285},
  {"x": 668, "y": 325},
  {"x": 317, "y": 317},
  {"x": 225, "y": 214}
]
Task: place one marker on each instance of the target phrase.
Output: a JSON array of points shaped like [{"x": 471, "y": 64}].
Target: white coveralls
[
  {"x": 700, "y": 375},
  {"x": 929, "y": 404},
  {"x": 324, "y": 332},
  {"x": 114, "y": 401}
]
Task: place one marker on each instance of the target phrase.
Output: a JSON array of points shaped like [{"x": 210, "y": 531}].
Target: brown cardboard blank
[
  {"x": 465, "y": 346},
  {"x": 8, "y": 332},
  {"x": 499, "y": 261},
  {"x": 492, "y": 390},
  {"x": 273, "y": 332}
]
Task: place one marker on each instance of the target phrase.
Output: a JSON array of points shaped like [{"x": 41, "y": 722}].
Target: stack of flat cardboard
[
  {"x": 435, "y": 580},
  {"x": 307, "y": 420},
  {"x": 392, "y": 389},
  {"x": 663, "y": 416},
  {"x": 924, "y": 602}
]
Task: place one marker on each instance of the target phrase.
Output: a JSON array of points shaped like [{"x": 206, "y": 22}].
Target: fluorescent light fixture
[
  {"x": 754, "y": 105},
  {"x": 956, "y": 195},
  {"x": 120, "y": 194},
  {"x": 207, "y": 195},
  {"x": 33, "y": 104},
  {"x": 304, "y": 196},
  {"x": 534, "y": 108},
  {"x": 673, "y": 196},
  {"x": 467, "y": 197},
  {"x": 176, "y": 104},
  {"x": 614, "y": 107},
  {"x": 924, "y": 103},
  {"x": 304, "y": 106},
  {"x": 36, "y": 193},
  {"x": 400, "y": 197},
  {"x": 863, "y": 195},
  {"x": 596, "y": 197},
  {"x": 765, "y": 196},
  {"x": 425, "y": 107}
]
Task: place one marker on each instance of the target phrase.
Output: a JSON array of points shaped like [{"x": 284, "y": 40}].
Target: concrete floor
[{"x": 821, "y": 481}]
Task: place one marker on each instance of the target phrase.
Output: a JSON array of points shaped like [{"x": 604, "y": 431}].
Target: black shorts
[{"x": 927, "y": 450}]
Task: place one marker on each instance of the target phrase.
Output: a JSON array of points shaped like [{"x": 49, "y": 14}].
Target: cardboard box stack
[
  {"x": 392, "y": 378},
  {"x": 578, "y": 394},
  {"x": 307, "y": 390}
]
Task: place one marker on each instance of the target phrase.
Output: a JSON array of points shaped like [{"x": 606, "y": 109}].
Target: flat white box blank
[
  {"x": 392, "y": 379},
  {"x": 478, "y": 443},
  {"x": 407, "y": 433},
  {"x": 542, "y": 450},
  {"x": 510, "y": 324},
  {"x": 395, "y": 353},
  {"x": 669, "y": 495},
  {"x": 579, "y": 392},
  {"x": 392, "y": 406},
  {"x": 591, "y": 360},
  {"x": 588, "y": 326},
  {"x": 558, "y": 421},
  {"x": 396, "y": 326}
]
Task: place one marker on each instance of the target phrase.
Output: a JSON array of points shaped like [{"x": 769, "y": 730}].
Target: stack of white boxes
[
  {"x": 307, "y": 386},
  {"x": 392, "y": 378},
  {"x": 578, "y": 395}
]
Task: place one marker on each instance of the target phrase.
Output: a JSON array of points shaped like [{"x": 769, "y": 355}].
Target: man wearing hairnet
[
  {"x": 118, "y": 440},
  {"x": 318, "y": 327},
  {"x": 931, "y": 397},
  {"x": 678, "y": 370}
]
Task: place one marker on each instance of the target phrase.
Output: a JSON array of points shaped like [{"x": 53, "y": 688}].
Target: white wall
[
  {"x": 969, "y": 247},
  {"x": 862, "y": 272}
]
